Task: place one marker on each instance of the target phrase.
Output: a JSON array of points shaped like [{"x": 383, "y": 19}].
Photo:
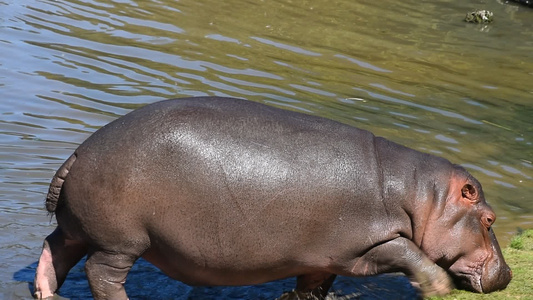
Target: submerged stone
[{"x": 479, "y": 16}]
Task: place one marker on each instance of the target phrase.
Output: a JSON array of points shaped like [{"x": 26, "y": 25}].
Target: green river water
[{"x": 410, "y": 71}]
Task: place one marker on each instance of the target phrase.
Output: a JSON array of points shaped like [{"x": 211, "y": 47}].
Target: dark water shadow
[{"x": 147, "y": 282}]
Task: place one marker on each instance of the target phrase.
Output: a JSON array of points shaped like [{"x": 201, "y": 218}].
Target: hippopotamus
[{"x": 222, "y": 191}]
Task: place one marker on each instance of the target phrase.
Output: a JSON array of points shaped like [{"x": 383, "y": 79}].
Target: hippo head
[{"x": 460, "y": 239}]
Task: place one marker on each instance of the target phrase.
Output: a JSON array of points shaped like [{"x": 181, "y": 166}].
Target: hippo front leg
[{"x": 402, "y": 255}]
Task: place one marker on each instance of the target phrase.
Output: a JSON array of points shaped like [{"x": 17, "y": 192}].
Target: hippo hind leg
[
  {"x": 107, "y": 270},
  {"x": 313, "y": 286},
  {"x": 58, "y": 256}
]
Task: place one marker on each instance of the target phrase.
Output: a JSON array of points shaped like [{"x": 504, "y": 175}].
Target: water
[{"x": 410, "y": 71}]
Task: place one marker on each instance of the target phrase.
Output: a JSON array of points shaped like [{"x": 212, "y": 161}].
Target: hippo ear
[{"x": 469, "y": 192}]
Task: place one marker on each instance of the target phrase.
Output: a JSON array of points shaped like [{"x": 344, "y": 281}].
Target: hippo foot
[
  {"x": 41, "y": 296},
  {"x": 440, "y": 285},
  {"x": 296, "y": 295},
  {"x": 311, "y": 286}
]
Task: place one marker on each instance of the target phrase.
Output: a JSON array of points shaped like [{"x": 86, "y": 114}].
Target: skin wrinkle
[
  {"x": 219, "y": 227},
  {"x": 480, "y": 267},
  {"x": 383, "y": 190},
  {"x": 420, "y": 224},
  {"x": 379, "y": 167},
  {"x": 248, "y": 216},
  {"x": 438, "y": 209},
  {"x": 414, "y": 227},
  {"x": 228, "y": 188},
  {"x": 270, "y": 200},
  {"x": 473, "y": 272}
]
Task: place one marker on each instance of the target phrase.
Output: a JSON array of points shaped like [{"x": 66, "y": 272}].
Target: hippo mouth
[
  {"x": 468, "y": 275},
  {"x": 469, "y": 282},
  {"x": 483, "y": 276}
]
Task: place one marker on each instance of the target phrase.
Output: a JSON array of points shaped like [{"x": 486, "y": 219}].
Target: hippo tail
[{"x": 52, "y": 199}]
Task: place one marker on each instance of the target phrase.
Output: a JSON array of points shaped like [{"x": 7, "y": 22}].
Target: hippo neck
[{"x": 415, "y": 180}]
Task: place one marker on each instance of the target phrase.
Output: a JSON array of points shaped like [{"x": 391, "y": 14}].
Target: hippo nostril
[{"x": 488, "y": 219}]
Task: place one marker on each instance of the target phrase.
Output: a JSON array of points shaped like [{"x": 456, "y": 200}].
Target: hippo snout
[
  {"x": 485, "y": 271},
  {"x": 496, "y": 273},
  {"x": 497, "y": 276}
]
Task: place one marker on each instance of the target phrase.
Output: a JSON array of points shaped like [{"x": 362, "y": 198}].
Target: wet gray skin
[{"x": 220, "y": 191}]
